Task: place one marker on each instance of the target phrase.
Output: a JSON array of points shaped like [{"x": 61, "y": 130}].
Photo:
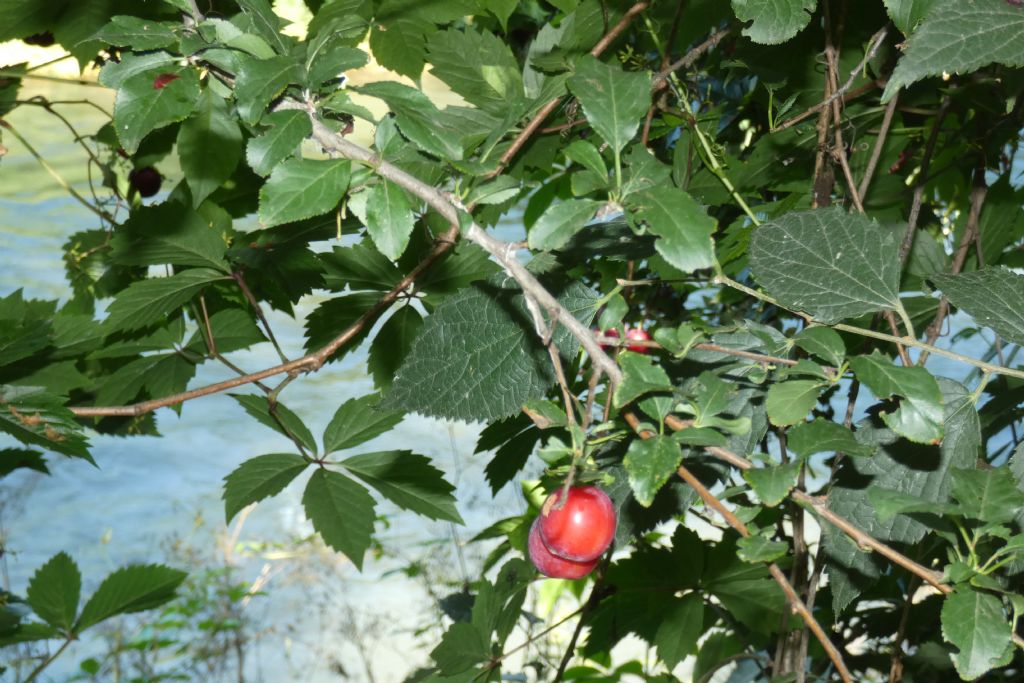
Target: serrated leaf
[
  {"x": 758, "y": 548},
  {"x": 906, "y": 14},
  {"x": 827, "y": 262},
  {"x": 683, "y": 228},
  {"x": 613, "y": 100},
  {"x": 408, "y": 480},
  {"x": 54, "y": 591},
  {"x": 335, "y": 315},
  {"x": 478, "y": 357},
  {"x": 823, "y": 342},
  {"x": 358, "y": 420},
  {"x": 988, "y": 495},
  {"x": 975, "y": 623},
  {"x": 209, "y": 146},
  {"x": 331, "y": 60},
  {"x": 260, "y": 82},
  {"x": 478, "y": 66},
  {"x": 462, "y": 647},
  {"x": 341, "y": 511},
  {"x": 919, "y": 416},
  {"x": 233, "y": 329},
  {"x": 286, "y": 422},
  {"x": 789, "y": 402},
  {"x": 359, "y": 267},
  {"x": 287, "y": 129},
  {"x": 147, "y": 101},
  {"x": 388, "y": 217},
  {"x": 392, "y": 344},
  {"x": 146, "y": 302},
  {"x": 131, "y": 589},
  {"x": 17, "y": 458},
  {"x": 263, "y": 19},
  {"x": 258, "y": 478},
  {"x": 958, "y": 38},
  {"x": 303, "y": 188},
  {"x": 401, "y": 45},
  {"x": 773, "y": 483},
  {"x": 32, "y": 415},
  {"x": 587, "y": 156},
  {"x": 560, "y": 222},
  {"x": 640, "y": 375},
  {"x": 993, "y": 296},
  {"x": 649, "y": 464},
  {"x": 168, "y": 233},
  {"x": 140, "y": 34},
  {"x": 418, "y": 118},
  {"x": 114, "y": 74},
  {"x": 773, "y": 21},
  {"x": 888, "y": 503},
  {"x": 679, "y": 629},
  {"x": 822, "y": 436}
]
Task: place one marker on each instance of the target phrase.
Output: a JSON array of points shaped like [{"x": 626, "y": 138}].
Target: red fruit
[
  {"x": 146, "y": 181},
  {"x": 584, "y": 526},
  {"x": 161, "y": 81},
  {"x": 638, "y": 334},
  {"x": 552, "y": 565},
  {"x": 614, "y": 333}
]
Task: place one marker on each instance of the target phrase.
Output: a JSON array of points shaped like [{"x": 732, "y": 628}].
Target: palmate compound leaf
[
  {"x": 341, "y": 511},
  {"x": 975, "y": 623},
  {"x": 258, "y": 478},
  {"x": 994, "y": 296},
  {"x": 478, "y": 356},
  {"x": 408, "y": 480},
  {"x": 919, "y": 416},
  {"x": 131, "y": 589},
  {"x": 828, "y": 263},
  {"x": 960, "y": 37},
  {"x": 773, "y": 21},
  {"x": 54, "y": 591}
]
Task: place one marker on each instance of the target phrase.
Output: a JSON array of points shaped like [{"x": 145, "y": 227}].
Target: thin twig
[
  {"x": 239, "y": 277},
  {"x": 896, "y": 661},
  {"x": 688, "y": 60},
  {"x": 922, "y": 179},
  {"x": 876, "y": 152}
]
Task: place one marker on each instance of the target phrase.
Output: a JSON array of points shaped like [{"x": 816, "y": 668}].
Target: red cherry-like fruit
[
  {"x": 583, "y": 528},
  {"x": 611, "y": 332},
  {"x": 146, "y": 181},
  {"x": 638, "y": 334},
  {"x": 552, "y": 565}
]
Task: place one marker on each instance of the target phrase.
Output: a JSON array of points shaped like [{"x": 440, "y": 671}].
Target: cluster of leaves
[{"x": 693, "y": 201}]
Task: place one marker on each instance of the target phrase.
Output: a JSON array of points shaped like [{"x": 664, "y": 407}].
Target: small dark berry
[{"x": 146, "y": 181}]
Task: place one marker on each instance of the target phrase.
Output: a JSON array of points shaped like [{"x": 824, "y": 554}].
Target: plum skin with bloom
[
  {"x": 581, "y": 529},
  {"x": 638, "y": 334},
  {"x": 549, "y": 564}
]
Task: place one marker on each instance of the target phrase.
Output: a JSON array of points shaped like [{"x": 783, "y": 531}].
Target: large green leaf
[
  {"x": 613, "y": 100},
  {"x": 919, "y": 416},
  {"x": 827, "y": 262},
  {"x": 388, "y": 216},
  {"x": 680, "y": 629},
  {"x": 992, "y": 296},
  {"x": 640, "y": 375},
  {"x": 649, "y": 464},
  {"x": 683, "y": 228},
  {"x": 408, "y": 480},
  {"x": 392, "y": 344},
  {"x": 286, "y": 130},
  {"x": 773, "y": 21},
  {"x": 168, "y": 233},
  {"x": 478, "y": 357},
  {"x": 975, "y": 623},
  {"x": 17, "y": 458},
  {"x": 131, "y": 589},
  {"x": 303, "y": 188},
  {"x": 282, "y": 420},
  {"x": 146, "y": 302},
  {"x": 773, "y": 483},
  {"x": 258, "y": 478},
  {"x": 560, "y": 222},
  {"x": 789, "y": 402},
  {"x": 822, "y": 436},
  {"x": 140, "y": 34},
  {"x": 958, "y": 38},
  {"x": 153, "y": 99},
  {"x": 260, "y": 81},
  {"x": 479, "y": 66},
  {"x": 32, "y": 415},
  {"x": 462, "y": 647},
  {"x": 209, "y": 146},
  {"x": 988, "y": 495},
  {"x": 418, "y": 118},
  {"x": 358, "y": 420},
  {"x": 906, "y": 14},
  {"x": 341, "y": 511},
  {"x": 359, "y": 267},
  {"x": 54, "y": 591}
]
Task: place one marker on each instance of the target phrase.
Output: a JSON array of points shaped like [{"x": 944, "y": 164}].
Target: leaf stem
[{"x": 49, "y": 660}]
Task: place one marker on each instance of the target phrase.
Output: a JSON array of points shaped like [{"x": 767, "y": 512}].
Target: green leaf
[
  {"x": 33, "y": 416},
  {"x": 888, "y": 503},
  {"x": 993, "y": 296},
  {"x": 975, "y": 623},
  {"x": 148, "y": 301},
  {"x": 478, "y": 66},
  {"x": 958, "y": 38},
  {"x": 286, "y": 422},
  {"x": 258, "y": 478},
  {"x": 130, "y": 589},
  {"x": 401, "y": 45},
  {"x": 773, "y": 21},
  {"x": 359, "y": 267},
  {"x": 25, "y": 327},
  {"x": 907, "y": 14},
  {"x": 148, "y": 101},
  {"x": 169, "y": 233},
  {"x": 827, "y": 262},
  {"x": 140, "y": 34},
  {"x": 478, "y": 357},
  {"x": 114, "y": 74},
  {"x": 773, "y": 483},
  {"x": 341, "y": 511},
  {"x": 266, "y": 23},
  {"x": 54, "y": 591},
  {"x": 388, "y": 217},
  {"x": 358, "y": 420},
  {"x": 613, "y": 100},
  {"x": 919, "y": 416},
  {"x": 789, "y": 402},
  {"x": 988, "y": 495},
  {"x": 233, "y": 329},
  {"x": 303, "y": 188},
  {"x": 287, "y": 129},
  {"x": 683, "y": 228},
  {"x": 823, "y": 342},
  {"x": 760, "y": 548},
  {"x": 462, "y": 647},
  {"x": 418, "y": 118},
  {"x": 17, "y": 458},
  {"x": 823, "y": 436},
  {"x": 408, "y": 480},
  {"x": 679, "y": 629},
  {"x": 587, "y": 156},
  {"x": 392, "y": 345},
  {"x": 649, "y": 464},
  {"x": 330, "y": 61},
  {"x": 640, "y": 376},
  {"x": 260, "y": 82},
  {"x": 209, "y": 146},
  {"x": 497, "y": 191},
  {"x": 560, "y": 222}
]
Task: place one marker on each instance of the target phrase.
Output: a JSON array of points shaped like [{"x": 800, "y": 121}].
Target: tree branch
[{"x": 922, "y": 179}]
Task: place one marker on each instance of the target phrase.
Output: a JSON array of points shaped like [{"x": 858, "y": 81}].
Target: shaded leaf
[
  {"x": 54, "y": 590},
  {"x": 773, "y": 483},
  {"x": 341, "y": 511},
  {"x": 131, "y": 589},
  {"x": 34, "y": 416},
  {"x": 613, "y": 100},
  {"x": 789, "y": 402},
  {"x": 975, "y": 623},
  {"x": 560, "y": 222},
  {"x": 358, "y": 420},
  {"x": 760, "y": 548},
  {"x": 258, "y": 478},
  {"x": 821, "y": 436},
  {"x": 641, "y": 375},
  {"x": 392, "y": 345},
  {"x": 919, "y": 416},
  {"x": 260, "y": 81},
  {"x": 773, "y": 21},
  {"x": 993, "y": 296},
  {"x": 286, "y": 131},
  {"x": 683, "y": 228},
  {"x": 408, "y": 480},
  {"x": 148, "y": 100},
  {"x": 649, "y": 464},
  {"x": 209, "y": 146},
  {"x": 148, "y": 301},
  {"x": 303, "y": 188}
]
